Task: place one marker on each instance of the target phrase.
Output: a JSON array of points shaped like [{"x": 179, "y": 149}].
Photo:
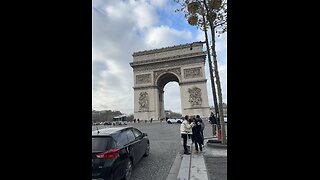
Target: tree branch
[{"x": 220, "y": 24}]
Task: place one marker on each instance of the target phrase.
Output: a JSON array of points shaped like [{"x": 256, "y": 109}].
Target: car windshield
[{"x": 101, "y": 143}]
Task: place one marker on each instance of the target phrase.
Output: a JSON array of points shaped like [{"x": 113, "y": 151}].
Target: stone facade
[
  {"x": 143, "y": 78},
  {"x": 155, "y": 68},
  {"x": 192, "y": 73}
]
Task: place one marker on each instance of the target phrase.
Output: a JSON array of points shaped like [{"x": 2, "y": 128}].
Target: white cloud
[
  {"x": 144, "y": 15},
  {"x": 159, "y": 3},
  {"x": 223, "y": 82},
  {"x": 162, "y": 36},
  {"x": 221, "y": 45},
  {"x": 200, "y": 35}
]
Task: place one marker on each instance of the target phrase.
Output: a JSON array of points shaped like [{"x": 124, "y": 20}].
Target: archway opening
[{"x": 172, "y": 100}]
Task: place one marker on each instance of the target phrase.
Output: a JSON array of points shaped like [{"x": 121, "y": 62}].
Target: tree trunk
[
  {"x": 221, "y": 115},
  {"x": 214, "y": 55},
  {"x": 210, "y": 68}
]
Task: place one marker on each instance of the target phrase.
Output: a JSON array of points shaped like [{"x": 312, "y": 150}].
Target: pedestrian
[
  {"x": 185, "y": 129},
  {"x": 151, "y": 120},
  {"x": 218, "y": 126},
  {"x": 214, "y": 122},
  {"x": 134, "y": 120},
  {"x": 190, "y": 120},
  {"x": 138, "y": 120},
  {"x": 202, "y": 128},
  {"x": 190, "y": 136},
  {"x": 196, "y": 131}
]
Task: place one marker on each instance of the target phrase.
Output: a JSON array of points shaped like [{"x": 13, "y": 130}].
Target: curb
[
  {"x": 175, "y": 168},
  {"x": 216, "y": 144}
]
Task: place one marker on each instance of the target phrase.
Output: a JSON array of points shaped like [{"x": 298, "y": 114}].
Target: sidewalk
[
  {"x": 216, "y": 162},
  {"x": 211, "y": 164}
]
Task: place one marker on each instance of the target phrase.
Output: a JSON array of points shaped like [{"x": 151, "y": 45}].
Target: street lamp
[{"x": 209, "y": 10}]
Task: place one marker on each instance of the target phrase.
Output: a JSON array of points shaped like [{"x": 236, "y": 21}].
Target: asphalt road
[
  {"x": 218, "y": 167},
  {"x": 165, "y": 143}
]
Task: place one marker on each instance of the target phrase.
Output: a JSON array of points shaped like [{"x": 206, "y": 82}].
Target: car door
[
  {"x": 132, "y": 146},
  {"x": 140, "y": 141},
  {"x": 121, "y": 143}
]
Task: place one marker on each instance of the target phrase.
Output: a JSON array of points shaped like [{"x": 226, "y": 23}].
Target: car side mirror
[{"x": 144, "y": 134}]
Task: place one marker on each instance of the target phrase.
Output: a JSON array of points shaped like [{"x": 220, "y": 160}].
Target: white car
[{"x": 174, "y": 120}]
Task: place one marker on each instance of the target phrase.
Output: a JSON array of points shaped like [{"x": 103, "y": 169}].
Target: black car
[
  {"x": 115, "y": 151},
  {"x": 107, "y": 123}
]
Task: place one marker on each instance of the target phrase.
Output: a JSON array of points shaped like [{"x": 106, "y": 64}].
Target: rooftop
[
  {"x": 108, "y": 131},
  {"x": 181, "y": 46}
]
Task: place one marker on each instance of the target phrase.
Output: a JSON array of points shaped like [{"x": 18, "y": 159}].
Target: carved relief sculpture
[
  {"x": 144, "y": 101},
  {"x": 192, "y": 72},
  {"x": 143, "y": 78},
  {"x": 195, "y": 96}
]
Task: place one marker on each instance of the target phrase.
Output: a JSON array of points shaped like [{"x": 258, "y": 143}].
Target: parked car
[
  {"x": 116, "y": 150},
  {"x": 107, "y": 123},
  {"x": 174, "y": 120}
]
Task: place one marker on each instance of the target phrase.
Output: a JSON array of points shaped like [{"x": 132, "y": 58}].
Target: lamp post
[
  {"x": 212, "y": 15},
  {"x": 210, "y": 12}
]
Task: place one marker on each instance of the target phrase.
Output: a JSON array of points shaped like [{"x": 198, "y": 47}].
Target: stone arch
[
  {"x": 165, "y": 78},
  {"x": 153, "y": 69}
]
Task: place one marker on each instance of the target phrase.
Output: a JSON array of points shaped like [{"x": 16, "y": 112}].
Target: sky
[{"x": 122, "y": 27}]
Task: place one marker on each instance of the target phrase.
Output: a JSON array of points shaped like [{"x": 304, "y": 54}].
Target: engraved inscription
[{"x": 192, "y": 73}]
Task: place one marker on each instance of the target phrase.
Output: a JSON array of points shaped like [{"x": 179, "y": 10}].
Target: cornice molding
[{"x": 165, "y": 49}]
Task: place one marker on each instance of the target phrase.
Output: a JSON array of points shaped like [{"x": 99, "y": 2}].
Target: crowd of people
[{"x": 192, "y": 128}]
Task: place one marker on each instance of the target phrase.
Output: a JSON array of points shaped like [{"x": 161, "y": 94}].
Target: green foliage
[
  {"x": 214, "y": 4},
  {"x": 130, "y": 118},
  {"x": 193, "y": 20},
  {"x": 214, "y": 11},
  {"x": 193, "y": 7},
  {"x": 212, "y": 16},
  {"x": 171, "y": 114},
  {"x": 105, "y": 115}
]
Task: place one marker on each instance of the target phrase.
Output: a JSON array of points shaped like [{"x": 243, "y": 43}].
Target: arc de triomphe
[{"x": 153, "y": 69}]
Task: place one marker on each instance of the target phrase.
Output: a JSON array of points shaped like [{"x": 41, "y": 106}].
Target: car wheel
[
  {"x": 128, "y": 170},
  {"x": 179, "y": 122},
  {"x": 147, "y": 150}
]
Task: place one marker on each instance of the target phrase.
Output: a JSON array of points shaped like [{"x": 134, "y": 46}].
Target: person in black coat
[
  {"x": 196, "y": 131},
  {"x": 215, "y": 123}
]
